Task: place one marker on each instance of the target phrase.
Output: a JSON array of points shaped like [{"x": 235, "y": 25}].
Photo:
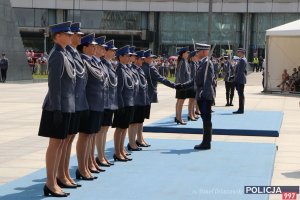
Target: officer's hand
[
  {"x": 57, "y": 118},
  {"x": 178, "y": 86}
]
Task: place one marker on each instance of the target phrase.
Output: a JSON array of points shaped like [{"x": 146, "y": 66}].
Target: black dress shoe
[
  {"x": 101, "y": 164},
  {"x": 191, "y": 119},
  {"x": 140, "y": 144},
  {"x": 202, "y": 146},
  {"x": 231, "y": 104},
  {"x": 119, "y": 159},
  {"x": 63, "y": 185},
  {"x": 79, "y": 176},
  {"x": 48, "y": 192},
  {"x": 132, "y": 149},
  {"x": 227, "y": 104},
  {"x": 180, "y": 122},
  {"x": 238, "y": 112},
  {"x": 99, "y": 169},
  {"x": 128, "y": 159},
  {"x": 94, "y": 171},
  {"x": 109, "y": 163}
]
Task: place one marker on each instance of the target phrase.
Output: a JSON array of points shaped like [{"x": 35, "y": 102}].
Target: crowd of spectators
[
  {"x": 37, "y": 62},
  {"x": 290, "y": 83}
]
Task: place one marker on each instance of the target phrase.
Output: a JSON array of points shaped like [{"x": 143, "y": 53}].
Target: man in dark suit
[
  {"x": 240, "y": 79},
  {"x": 3, "y": 67}
]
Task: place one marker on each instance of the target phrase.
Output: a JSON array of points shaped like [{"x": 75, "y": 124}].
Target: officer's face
[
  {"x": 75, "y": 39},
  {"x": 63, "y": 39},
  {"x": 149, "y": 60},
  {"x": 139, "y": 61},
  {"x": 240, "y": 54},
  {"x": 110, "y": 54},
  {"x": 100, "y": 51},
  {"x": 132, "y": 58},
  {"x": 89, "y": 50},
  {"x": 185, "y": 55},
  {"x": 124, "y": 59}
]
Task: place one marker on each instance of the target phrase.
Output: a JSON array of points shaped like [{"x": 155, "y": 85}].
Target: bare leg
[
  {"x": 140, "y": 134},
  {"x": 91, "y": 160},
  {"x": 52, "y": 160},
  {"x": 132, "y": 132},
  {"x": 179, "y": 106},
  {"x": 81, "y": 149},
  {"x": 63, "y": 168},
  {"x": 123, "y": 136},
  {"x": 117, "y": 142},
  {"x": 100, "y": 143},
  {"x": 104, "y": 143},
  {"x": 191, "y": 108}
]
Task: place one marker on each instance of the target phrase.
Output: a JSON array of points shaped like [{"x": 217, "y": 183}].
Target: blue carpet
[
  {"x": 251, "y": 123},
  {"x": 169, "y": 170}
]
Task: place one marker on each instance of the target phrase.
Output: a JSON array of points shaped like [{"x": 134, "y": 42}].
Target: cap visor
[
  {"x": 103, "y": 45},
  {"x": 69, "y": 32},
  {"x": 94, "y": 42},
  {"x": 79, "y": 33},
  {"x": 114, "y": 48},
  {"x": 153, "y": 56}
]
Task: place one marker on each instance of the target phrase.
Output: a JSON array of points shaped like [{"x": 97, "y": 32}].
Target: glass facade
[
  {"x": 109, "y": 20},
  {"x": 29, "y": 17},
  {"x": 178, "y": 29}
]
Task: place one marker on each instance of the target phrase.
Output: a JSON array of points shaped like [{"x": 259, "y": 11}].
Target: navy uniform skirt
[
  {"x": 138, "y": 115},
  {"x": 107, "y": 117},
  {"x": 49, "y": 129},
  {"x": 147, "y": 110},
  {"x": 181, "y": 94},
  {"x": 90, "y": 122},
  {"x": 123, "y": 117}
]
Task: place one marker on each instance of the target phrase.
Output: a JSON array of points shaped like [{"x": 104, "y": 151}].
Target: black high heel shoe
[
  {"x": 101, "y": 164},
  {"x": 197, "y": 113},
  {"x": 128, "y": 159},
  {"x": 79, "y": 176},
  {"x": 76, "y": 184},
  {"x": 141, "y": 145},
  {"x": 119, "y": 159},
  {"x": 180, "y": 122},
  {"x": 62, "y": 185},
  {"x": 94, "y": 171},
  {"x": 132, "y": 149},
  {"x": 99, "y": 169},
  {"x": 48, "y": 192},
  {"x": 191, "y": 119}
]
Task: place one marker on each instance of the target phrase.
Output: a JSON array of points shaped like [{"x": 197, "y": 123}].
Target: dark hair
[
  {"x": 80, "y": 47},
  {"x": 53, "y": 35}
]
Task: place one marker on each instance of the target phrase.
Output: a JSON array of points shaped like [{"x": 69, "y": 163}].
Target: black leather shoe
[
  {"x": 191, "y": 119},
  {"x": 227, "y": 104},
  {"x": 140, "y": 144},
  {"x": 132, "y": 149},
  {"x": 128, "y": 159},
  {"x": 94, "y": 171},
  {"x": 100, "y": 163},
  {"x": 180, "y": 122},
  {"x": 238, "y": 112},
  {"x": 48, "y": 192},
  {"x": 63, "y": 185},
  {"x": 119, "y": 159},
  {"x": 202, "y": 146},
  {"x": 79, "y": 176},
  {"x": 99, "y": 169}
]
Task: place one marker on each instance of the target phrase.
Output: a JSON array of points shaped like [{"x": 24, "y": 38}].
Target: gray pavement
[{"x": 22, "y": 151}]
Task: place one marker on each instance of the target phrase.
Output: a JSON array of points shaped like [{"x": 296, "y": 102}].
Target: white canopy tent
[{"x": 282, "y": 52}]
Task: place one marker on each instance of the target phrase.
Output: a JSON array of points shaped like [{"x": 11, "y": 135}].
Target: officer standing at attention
[
  {"x": 111, "y": 101},
  {"x": 124, "y": 114},
  {"x": 240, "y": 79},
  {"x": 228, "y": 72},
  {"x": 64, "y": 179},
  {"x": 58, "y": 106},
  {"x": 205, "y": 94}
]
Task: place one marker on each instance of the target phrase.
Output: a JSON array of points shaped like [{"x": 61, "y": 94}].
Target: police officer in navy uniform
[
  {"x": 124, "y": 114},
  {"x": 58, "y": 105},
  {"x": 111, "y": 101},
  {"x": 153, "y": 77},
  {"x": 228, "y": 72},
  {"x": 64, "y": 179},
  {"x": 205, "y": 94},
  {"x": 183, "y": 74},
  {"x": 193, "y": 109},
  {"x": 240, "y": 79},
  {"x": 140, "y": 99},
  {"x": 95, "y": 97}
]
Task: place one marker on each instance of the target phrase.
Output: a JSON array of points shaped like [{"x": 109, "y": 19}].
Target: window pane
[{"x": 25, "y": 16}]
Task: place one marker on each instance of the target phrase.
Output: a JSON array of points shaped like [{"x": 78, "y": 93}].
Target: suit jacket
[
  {"x": 125, "y": 86},
  {"x": 241, "y": 71},
  {"x": 135, "y": 76},
  {"x": 153, "y": 77},
  {"x": 183, "y": 72},
  {"x": 111, "y": 102},
  {"x": 142, "y": 98},
  {"x": 95, "y": 86},
  {"x": 205, "y": 89},
  {"x": 61, "y": 87},
  {"x": 81, "y": 103}
]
